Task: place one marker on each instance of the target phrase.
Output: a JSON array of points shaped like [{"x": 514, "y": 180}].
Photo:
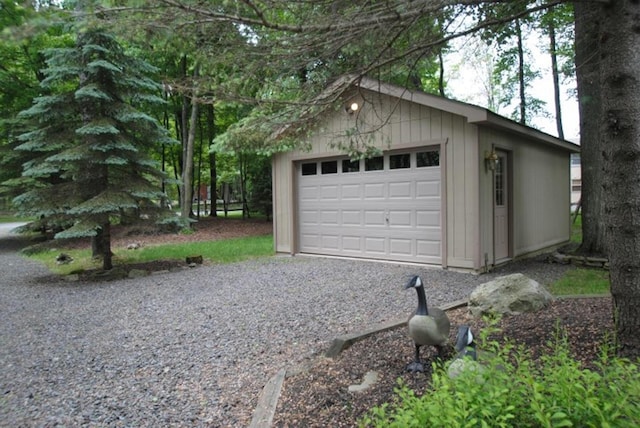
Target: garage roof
[{"x": 473, "y": 113}]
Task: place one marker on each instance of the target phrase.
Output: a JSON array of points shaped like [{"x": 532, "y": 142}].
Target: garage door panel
[
  {"x": 330, "y": 242},
  {"x": 374, "y": 218},
  {"x": 428, "y": 219},
  {"x": 400, "y": 190},
  {"x": 375, "y": 245},
  {"x": 329, "y": 192},
  {"x": 310, "y": 241},
  {"x": 400, "y": 218},
  {"x": 309, "y": 217},
  {"x": 428, "y": 189},
  {"x": 308, "y": 193},
  {"x": 400, "y": 247},
  {"x": 352, "y": 243},
  {"x": 351, "y": 191},
  {"x": 374, "y": 190},
  {"x": 428, "y": 248},
  {"x": 351, "y": 218},
  {"x": 329, "y": 217}
]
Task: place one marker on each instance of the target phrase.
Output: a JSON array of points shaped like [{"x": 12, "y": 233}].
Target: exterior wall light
[
  {"x": 352, "y": 108},
  {"x": 491, "y": 160}
]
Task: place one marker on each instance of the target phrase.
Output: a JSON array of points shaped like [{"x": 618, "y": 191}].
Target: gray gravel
[{"x": 190, "y": 348}]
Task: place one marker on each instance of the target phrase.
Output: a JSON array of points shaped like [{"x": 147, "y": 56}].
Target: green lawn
[
  {"x": 576, "y": 229},
  {"x": 225, "y": 251},
  {"x": 582, "y": 281},
  {"x": 10, "y": 218}
]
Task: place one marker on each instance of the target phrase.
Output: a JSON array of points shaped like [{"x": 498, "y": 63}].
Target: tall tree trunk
[
  {"x": 165, "y": 201},
  {"x": 176, "y": 155},
  {"x": 199, "y": 169},
  {"x": 587, "y": 27},
  {"x": 556, "y": 76},
  {"x": 212, "y": 160},
  {"x": 620, "y": 124},
  {"x": 107, "y": 256},
  {"x": 97, "y": 244},
  {"x": 523, "y": 99},
  {"x": 187, "y": 169},
  {"x": 184, "y": 139},
  {"x": 242, "y": 164}
]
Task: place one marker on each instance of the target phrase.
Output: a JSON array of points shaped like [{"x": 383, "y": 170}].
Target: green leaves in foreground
[{"x": 513, "y": 390}]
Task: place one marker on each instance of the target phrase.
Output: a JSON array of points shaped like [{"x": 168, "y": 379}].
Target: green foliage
[
  {"x": 582, "y": 281},
  {"x": 88, "y": 143},
  {"x": 259, "y": 186},
  {"x": 512, "y": 389},
  {"x": 25, "y": 33},
  {"x": 576, "y": 230}
]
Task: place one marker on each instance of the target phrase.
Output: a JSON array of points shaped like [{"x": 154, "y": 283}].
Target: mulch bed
[{"x": 320, "y": 397}]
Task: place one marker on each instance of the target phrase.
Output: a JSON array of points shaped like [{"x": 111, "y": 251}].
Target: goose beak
[{"x": 415, "y": 282}]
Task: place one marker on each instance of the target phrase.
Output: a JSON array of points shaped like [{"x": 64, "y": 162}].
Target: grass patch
[
  {"x": 224, "y": 251},
  {"x": 9, "y": 218},
  {"x": 576, "y": 229},
  {"x": 582, "y": 281}
]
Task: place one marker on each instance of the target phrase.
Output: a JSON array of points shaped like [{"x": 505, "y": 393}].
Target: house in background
[
  {"x": 576, "y": 181},
  {"x": 452, "y": 185}
]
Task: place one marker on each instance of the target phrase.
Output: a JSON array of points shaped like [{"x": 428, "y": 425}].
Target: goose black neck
[{"x": 422, "y": 302}]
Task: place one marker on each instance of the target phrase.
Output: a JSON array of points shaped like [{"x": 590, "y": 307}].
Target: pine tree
[{"x": 91, "y": 144}]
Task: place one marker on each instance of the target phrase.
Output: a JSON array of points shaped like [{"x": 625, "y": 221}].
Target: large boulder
[{"x": 510, "y": 294}]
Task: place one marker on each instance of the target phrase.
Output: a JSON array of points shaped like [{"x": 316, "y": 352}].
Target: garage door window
[
  {"x": 400, "y": 161},
  {"x": 309, "y": 168},
  {"x": 425, "y": 159},
  {"x": 350, "y": 166},
  {"x": 329, "y": 167},
  {"x": 374, "y": 164}
]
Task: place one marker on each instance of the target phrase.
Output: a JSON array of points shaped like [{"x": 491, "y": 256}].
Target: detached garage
[{"x": 448, "y": 184}]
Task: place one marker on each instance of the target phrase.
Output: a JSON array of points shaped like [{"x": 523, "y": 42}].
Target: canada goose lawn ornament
[
  {"x": 427, "y": 326},
  {"x": 467, "y": 357}
]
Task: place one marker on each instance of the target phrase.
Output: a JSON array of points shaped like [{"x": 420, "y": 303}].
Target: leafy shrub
[{"x": 514, "y": 390}]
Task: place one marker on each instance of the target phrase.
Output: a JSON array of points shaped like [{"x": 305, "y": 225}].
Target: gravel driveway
[{"x": 190, "y": 348}]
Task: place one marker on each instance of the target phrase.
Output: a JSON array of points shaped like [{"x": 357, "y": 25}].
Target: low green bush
[{"x": 512, "y": 390}]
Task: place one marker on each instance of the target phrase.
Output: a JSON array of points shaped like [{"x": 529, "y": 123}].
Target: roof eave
[
  {"x": 473, "y": 114},
  {"x": 497, "y": 121}
]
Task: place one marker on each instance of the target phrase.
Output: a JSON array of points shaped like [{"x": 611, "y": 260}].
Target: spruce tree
[{"x": 91, "y": 143}]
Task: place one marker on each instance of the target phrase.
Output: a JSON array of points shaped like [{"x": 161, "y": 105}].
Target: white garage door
[{"x": 387, "y": 207}]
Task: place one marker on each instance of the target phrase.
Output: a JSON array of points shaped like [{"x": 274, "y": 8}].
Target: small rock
[
  {"x": 194, "y": 260},
  {"x": 460, "y": 365},
  {"x": 63, "y": 259},
  {"x": 369, "y": 380}
]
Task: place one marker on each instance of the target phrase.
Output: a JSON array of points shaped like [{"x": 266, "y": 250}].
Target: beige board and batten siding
[
  {"x": 539, "y": 200},
  {"x": 407, "y": 125}
]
